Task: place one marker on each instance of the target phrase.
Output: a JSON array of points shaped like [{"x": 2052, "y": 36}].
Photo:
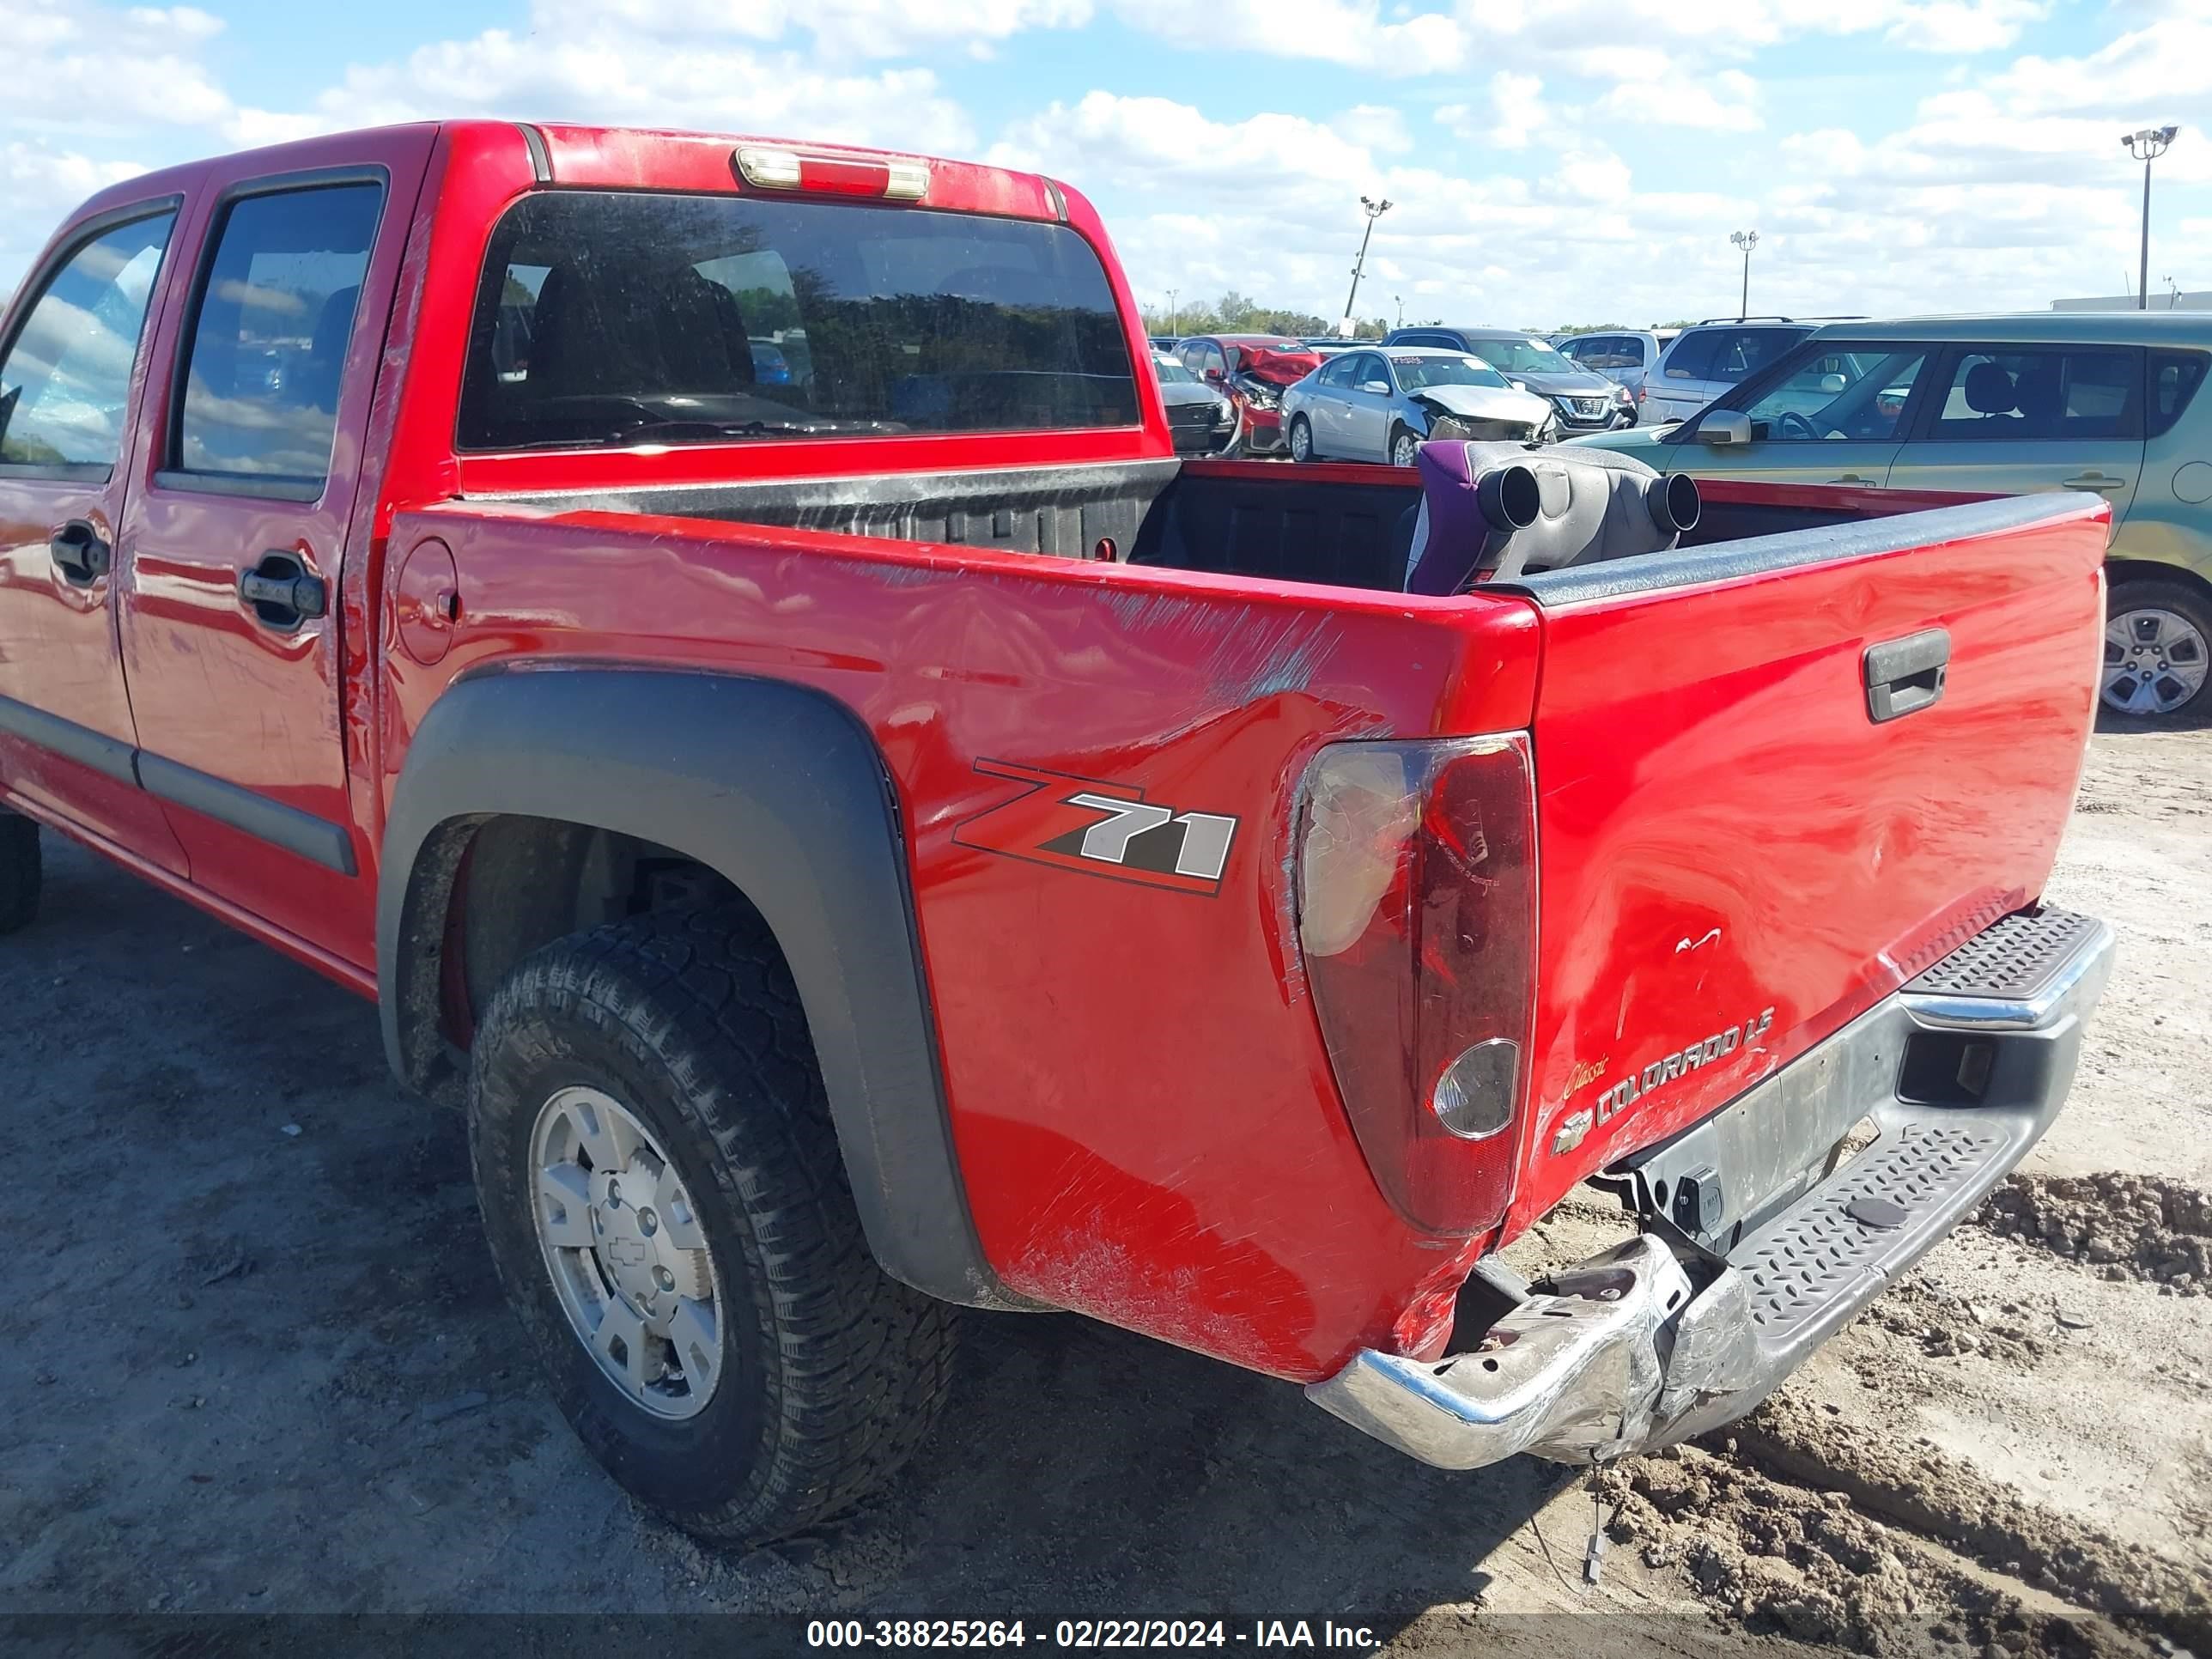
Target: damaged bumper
[{"x": 1654, "y": 1342}]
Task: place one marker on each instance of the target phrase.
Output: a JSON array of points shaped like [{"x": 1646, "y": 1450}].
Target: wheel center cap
[{"x": 630, "y": 1247}]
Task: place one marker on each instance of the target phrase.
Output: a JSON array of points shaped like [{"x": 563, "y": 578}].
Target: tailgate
[{"x": 1736, "y": 857}]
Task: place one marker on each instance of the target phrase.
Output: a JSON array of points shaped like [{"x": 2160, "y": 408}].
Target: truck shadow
[
  {"x": 2197, "y": 718},
  {"x": 1169, "y": 1484},
  {"x": 287, "y": 1360}
]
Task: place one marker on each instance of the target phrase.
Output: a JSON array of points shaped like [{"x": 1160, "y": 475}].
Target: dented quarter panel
[{"x": 1144, "y": 1116}]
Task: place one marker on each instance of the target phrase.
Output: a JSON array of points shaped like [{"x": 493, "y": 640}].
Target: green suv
[{"x": 2102, "y": 401}]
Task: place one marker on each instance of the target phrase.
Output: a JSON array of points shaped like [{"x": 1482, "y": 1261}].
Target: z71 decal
[{"x": 1101, "y": 829}]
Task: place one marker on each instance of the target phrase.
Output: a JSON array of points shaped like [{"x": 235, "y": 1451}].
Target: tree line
[{"x": 1236, "y": 313}]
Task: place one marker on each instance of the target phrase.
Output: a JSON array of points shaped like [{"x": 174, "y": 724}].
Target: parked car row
[
  {"x": 2104, "y": 401},
  {"x": 2098, "y": 402}
]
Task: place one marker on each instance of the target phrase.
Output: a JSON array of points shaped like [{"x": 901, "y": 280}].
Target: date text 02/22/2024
[{"x": 1081, "y": 1634}]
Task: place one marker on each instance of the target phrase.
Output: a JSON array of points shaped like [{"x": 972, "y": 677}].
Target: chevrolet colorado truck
[{"x": 713, "y": 637}]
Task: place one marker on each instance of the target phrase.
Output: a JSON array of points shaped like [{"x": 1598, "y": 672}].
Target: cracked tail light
[{"x": 1417, "y": 915}]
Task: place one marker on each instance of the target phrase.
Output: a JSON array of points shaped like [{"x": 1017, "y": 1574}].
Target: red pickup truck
[{"x": 714, "y": 638}]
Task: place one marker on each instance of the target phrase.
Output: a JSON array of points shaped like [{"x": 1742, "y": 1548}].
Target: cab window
[
  {"x": 268, "y": 341},
  {"x": 66, "y": 380}
]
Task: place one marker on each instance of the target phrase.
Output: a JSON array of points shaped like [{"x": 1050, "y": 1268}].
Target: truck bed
[{"x": 1343, "y": 525}]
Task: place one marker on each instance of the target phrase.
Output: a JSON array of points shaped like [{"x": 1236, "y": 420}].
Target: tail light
[{"x": 1417, "y": 915}]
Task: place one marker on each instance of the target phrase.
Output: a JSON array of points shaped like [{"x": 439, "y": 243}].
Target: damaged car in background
[
  {"x": 1202, "y": 421},
  {"x": 1381, "y": 405},
  {"x": 1252, "y": 371}
]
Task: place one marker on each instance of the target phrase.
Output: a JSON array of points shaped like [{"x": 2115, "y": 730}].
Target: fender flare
[{"x": 780, "y": 790}]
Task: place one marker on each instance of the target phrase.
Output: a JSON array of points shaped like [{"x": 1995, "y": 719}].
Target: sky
[{"x": 1551, "y": 161}]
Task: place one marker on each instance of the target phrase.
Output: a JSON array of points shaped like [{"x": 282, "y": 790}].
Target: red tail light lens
[{"x": 1416, "y": 914}]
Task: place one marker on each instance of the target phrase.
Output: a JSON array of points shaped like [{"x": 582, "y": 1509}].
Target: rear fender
[{"x": 781, "y": 792}]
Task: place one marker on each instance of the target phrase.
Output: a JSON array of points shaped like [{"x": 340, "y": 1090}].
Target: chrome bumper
[{"x": 1623, "y": 1354}]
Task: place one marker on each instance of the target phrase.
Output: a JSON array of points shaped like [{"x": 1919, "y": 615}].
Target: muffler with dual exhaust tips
[{"x": 1497, "y": 511}]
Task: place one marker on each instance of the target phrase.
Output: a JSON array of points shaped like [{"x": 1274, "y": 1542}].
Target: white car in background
[{"x": 1379, "y": 403}]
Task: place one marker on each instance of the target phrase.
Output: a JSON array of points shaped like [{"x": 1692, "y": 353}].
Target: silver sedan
[{"x": 1376, "y": 405}]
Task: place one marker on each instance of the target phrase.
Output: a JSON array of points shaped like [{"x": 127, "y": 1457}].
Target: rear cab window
[{"x": 608, "y": 317}]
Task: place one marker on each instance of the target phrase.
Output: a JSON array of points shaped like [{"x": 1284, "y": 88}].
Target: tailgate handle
[{"x": 1902, "y": 674}]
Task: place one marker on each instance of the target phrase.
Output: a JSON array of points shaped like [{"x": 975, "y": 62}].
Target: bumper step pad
[
  {"x": 2015, "y": 958},
  {"x": 1813, "y": 1259}
]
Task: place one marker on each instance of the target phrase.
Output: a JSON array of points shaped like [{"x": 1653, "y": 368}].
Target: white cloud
[
  {"x": 1518, "y": 110},
  {"x": 1378, "y": 127},
  {"x": 1963, "y": 25},
  {"x": 1353, "y": 33},
  {"x": 840, "y": 29},
  {"x": 39, "y": 185},
  {"x": 616, "y": 78},
  {"x": 1726, "y": 102}
]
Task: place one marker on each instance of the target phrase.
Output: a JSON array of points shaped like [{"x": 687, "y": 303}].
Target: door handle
[
  {"x": 2096, "y": 481},
  {"x": 281, "y": 592},
  {"x": 78, "y": 552},
  {"x": 1851, "y": 479},
  {"x": 1907, "y": 674}
]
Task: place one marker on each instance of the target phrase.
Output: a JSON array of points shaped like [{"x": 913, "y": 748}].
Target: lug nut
[
  {"x": 665, "y": 1279},
  {"x": 648, "y": 1222}
]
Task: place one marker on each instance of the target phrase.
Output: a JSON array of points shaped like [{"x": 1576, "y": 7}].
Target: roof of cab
[{"x": 635, "y": 158}]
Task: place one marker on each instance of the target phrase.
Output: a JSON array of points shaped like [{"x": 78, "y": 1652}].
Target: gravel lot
[{"x": 254, "y": 1360}]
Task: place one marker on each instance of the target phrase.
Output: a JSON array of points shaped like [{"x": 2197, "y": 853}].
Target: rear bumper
[{"x": 1654, "y": 1342}]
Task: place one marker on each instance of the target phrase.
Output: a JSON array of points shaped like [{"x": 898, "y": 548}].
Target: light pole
[
  {"x": 1746, "y": 240},
  {"x": 1175, "y": 312},
  {"x": 1374, "y": 210},
  {"x": 2147, "y": 146},
  {"x": 1401, "y": 299}
]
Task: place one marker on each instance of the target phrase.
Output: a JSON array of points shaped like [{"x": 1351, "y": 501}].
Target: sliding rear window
[{"x": 612, "y": 318}]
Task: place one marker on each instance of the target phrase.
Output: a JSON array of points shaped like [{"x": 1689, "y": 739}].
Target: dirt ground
[{"x": 252, "y": 1360}]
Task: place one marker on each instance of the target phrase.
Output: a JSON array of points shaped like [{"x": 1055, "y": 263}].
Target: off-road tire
[
  {"x": 831, "y": 1372},
  {"x": 21, "y": 870}
]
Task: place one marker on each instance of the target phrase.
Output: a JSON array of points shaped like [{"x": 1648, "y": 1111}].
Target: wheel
[
  {"x": 21, "y": 870},
  {"x": 2158, "y": 642},
  {"x": 1302, "y": 447},
  {"x": 670, "y": 1217},
  {"x": 1402, "y": 446}
]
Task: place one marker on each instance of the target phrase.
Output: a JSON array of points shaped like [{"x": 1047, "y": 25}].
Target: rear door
[
  {"x": 1367, "y": 413},
  {"x": 1325, "y": 405},
  {"x": 71, "y": 371},
  {"x": 238, "y": 529},
  {"x": 2010, "y": 418},
  {"x": 1732, "y": 843}
]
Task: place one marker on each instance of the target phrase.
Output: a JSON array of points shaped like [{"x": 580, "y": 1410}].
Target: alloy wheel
[
  {"x": 2155, "y": 661},
  {"x": 629, "y": 1259}
]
